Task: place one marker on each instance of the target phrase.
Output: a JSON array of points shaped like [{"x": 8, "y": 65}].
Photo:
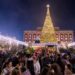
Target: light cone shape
[{"x": 48, "y": 32}]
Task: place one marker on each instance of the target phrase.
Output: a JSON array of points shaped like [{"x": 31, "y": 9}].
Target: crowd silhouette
[{"x": 41, "y": 62}]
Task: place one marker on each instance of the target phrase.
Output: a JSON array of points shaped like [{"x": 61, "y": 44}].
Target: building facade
[
  {"x": 61, "y": 35},
  {"x": 48, "y": 33}
]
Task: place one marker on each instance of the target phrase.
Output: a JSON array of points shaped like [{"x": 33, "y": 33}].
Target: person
[
  {"x": 17, "y": 69},
  {"x": 56, "y": 68},
  {"x": 24, "y": 69},
  {"x": 36, "y": 66},
  {"x": 68, "y": 69},
  {"x": 50, "y": 72},
  {"x": 30, "y": 64},
  {"x": 44, "y": 70},
  {"x": 46, "y": 60},
  {"x": 60, "y": 62},
  {"x": 8, "y": 68},
  {"x": 27, "y": 72},
  {"x": 37, "y": 39}
]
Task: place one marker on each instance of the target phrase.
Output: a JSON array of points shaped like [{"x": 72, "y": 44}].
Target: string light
[{"x": 10, "y": 41}]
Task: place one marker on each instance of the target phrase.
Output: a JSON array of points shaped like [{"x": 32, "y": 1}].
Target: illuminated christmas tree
[{"x": 48, "y": 32}]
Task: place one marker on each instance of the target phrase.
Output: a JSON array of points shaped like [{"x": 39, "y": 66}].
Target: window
[
  {"x": 66, "y": 35},
  {"x": 38, "y": 35},
  {"x": 66, "y": 38},
  {"x": 57, "y": 35},
  {"x": 34, "y": 36},
  {"x": 57, "y": 39},
  {"x": 25, "y": 38},
  {"x": 70, "y": 35},
  {"x": 61, "y": 35},
  {"x": 61, "y": 39},
  {"x": 26, "y": 35},
  {"x": 30, "y": 36}
]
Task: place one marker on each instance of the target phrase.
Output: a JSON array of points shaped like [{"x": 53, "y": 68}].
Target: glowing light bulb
[{"x": 48, "y": 6}]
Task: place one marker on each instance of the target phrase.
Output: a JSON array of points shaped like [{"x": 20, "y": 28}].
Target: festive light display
[
  {"x": 71, "y": 44},
  {"x": 48, "y": 32},
  {"x": 8, "y": 42}
]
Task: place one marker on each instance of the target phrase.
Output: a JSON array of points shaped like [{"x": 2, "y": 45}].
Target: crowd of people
[{"x": 40, "y": 62}]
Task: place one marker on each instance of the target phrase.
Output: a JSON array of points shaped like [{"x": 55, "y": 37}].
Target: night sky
[{"x": 19, "y": 15}]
